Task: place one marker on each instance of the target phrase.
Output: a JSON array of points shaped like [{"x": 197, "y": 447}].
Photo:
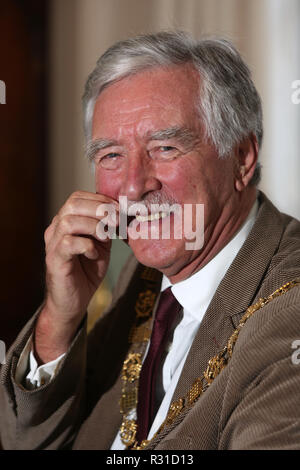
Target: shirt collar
[{"x": 196, "y": 292}]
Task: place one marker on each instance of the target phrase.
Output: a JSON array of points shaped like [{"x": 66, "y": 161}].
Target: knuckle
[
  {"x": 65, "y": 224},
  {"x": 89, "y": 244},
  {"x": 49, "y": 259},
  {"x": 66, "y": 242},
  {"x": 46, "y": 234},
  {"x": 49, "y": 229},
  {"x": 77, "y": 194},
  {"x": 71, "y": 206}
]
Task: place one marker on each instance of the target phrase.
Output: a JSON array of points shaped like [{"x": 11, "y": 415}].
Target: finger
[
  {"x": 93, "y": 197},
  {"x": 77, "y": 225},
  {"x": 89, "y": 208},
  {"x": 85, "y": 204},
  {"x": 50, "y": 230},
  {"x": 72, "y": 225},
  {"x": 71, "y": 246}
]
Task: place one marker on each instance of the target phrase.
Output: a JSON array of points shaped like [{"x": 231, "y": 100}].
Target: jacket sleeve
[
  {"x": 262, "y": 397},
  {"x": 47, "y": 417},
  {"x": 50, "y": 417}
]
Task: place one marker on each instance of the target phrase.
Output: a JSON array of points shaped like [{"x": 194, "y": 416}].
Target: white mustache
[{"x": 146, "y": 206}]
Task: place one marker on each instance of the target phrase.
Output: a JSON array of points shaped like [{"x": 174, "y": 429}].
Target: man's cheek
[{"x": 108, "y": 186}]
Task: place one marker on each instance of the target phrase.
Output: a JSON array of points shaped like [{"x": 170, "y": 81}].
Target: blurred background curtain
[
  {"x": 23, "y": 158},
  {"x": 267, "y": 32}
]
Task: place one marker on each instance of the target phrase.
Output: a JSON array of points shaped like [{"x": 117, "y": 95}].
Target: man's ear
[{"x": 246, "y": 155}]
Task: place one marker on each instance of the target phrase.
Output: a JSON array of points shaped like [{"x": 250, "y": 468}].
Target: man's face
[{"x": 155, "y": 152}]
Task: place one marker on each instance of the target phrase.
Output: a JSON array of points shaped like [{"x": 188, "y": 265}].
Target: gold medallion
[
  {"x": 132, "y": 367},
  {"x": 145, "y": 303},
  {"x": 128, "y": 431}
]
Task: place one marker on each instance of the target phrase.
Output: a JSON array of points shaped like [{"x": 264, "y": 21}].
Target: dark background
[{"x": 23, "y": 153}]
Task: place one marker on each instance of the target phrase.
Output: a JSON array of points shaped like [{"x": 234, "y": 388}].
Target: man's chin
[{"x": 158, "y": 254}]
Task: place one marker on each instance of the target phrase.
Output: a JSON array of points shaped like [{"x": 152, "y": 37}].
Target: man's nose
[{"x": 140, "y": 178}]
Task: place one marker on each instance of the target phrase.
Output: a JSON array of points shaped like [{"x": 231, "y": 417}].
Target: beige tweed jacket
[{"x": 254, "y": 403}]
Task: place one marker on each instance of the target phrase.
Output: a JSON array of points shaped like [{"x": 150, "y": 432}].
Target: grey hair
[{"x": 229, "y": 104}]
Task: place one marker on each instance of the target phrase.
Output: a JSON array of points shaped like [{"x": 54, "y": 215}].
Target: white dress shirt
[{"x": 194, "y": 302}]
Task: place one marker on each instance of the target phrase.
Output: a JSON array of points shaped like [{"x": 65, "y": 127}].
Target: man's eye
[
  {"x": 164, "y": 152},
  {"x": 110, "y": 161}
]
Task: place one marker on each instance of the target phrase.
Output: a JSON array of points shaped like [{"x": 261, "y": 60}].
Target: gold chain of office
[{"x": 133, "y": 364}]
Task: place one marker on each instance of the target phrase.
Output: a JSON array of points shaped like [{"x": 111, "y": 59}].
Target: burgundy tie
[{"x": 167, "y": 309}]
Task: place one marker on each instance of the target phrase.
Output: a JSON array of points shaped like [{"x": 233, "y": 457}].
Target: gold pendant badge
[
  {"x": 128, "y": 432},
  {"x": 132, "y": 367},
  {"x": 145, "y": 303}
]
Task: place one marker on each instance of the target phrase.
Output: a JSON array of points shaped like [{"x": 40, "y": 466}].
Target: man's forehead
[{"x": 161, "y": 95}]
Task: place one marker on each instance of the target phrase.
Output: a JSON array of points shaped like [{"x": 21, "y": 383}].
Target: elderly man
[{"x": 196, "y": 350}]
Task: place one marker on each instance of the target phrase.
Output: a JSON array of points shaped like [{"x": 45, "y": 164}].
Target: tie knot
[{"x": 167, "y": 309}]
